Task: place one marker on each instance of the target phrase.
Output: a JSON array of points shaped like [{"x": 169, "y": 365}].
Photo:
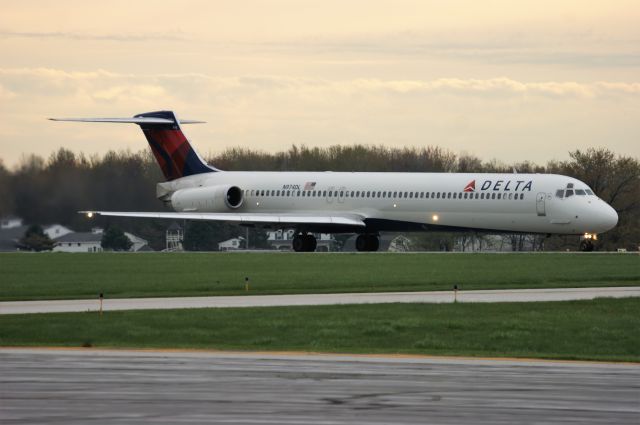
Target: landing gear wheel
[
  {"x": 367, "y": 243},
  {"x": 374, "y": 243},
  {"x": 298, "y": 243},
  {"x": 586, "y": 246},
  {"x": 304, "y": 243},
  {"x": 310, "y": 243}
]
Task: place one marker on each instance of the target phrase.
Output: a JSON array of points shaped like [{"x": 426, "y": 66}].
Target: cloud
[
  {"x": 175, "y": 36},
  {"x": 538, "y": 45},
  {"x": 108, "y": 86},
  {"x": 6, "y": 94}
]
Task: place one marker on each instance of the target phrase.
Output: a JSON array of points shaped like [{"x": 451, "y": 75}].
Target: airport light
[
  {"x": 89, "y": 215},
  {"x": 435, "y": 217}
]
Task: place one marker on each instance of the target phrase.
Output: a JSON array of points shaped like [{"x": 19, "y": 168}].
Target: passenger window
[
  {"x": 510, "y": 196},
  {"x": 427, "y": 195},
  {"x": 410, "y": 194},
  {"x": 438, "y": 195},
  {"x": 352, "y": 193},
  {"x": 324, "y": 193},
  {"x": 298, "y": 193},
  {"x": 466, "y": 195},
  {"x": 330, "y": 193},
  {"x": 559, "y": 193},
  {"x": 493, "y": 196},
  {"x": 341, "y": 193},
  {"x": 421, "y": 195},
  {"x": 499, "y": 195},
  {"x": 379, "y": 194},
  {"x": 449, "y": 195}
]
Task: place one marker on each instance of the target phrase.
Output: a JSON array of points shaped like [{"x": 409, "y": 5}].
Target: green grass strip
[
  {"x": 58, "y": 276},
  {"x": 602, "y": 329}
]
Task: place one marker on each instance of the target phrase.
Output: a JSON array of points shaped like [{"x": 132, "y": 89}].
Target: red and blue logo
[{"x": 470, "y": 187}]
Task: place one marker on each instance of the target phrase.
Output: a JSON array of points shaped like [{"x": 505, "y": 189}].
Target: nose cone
[{"x": 608, "y": 218}]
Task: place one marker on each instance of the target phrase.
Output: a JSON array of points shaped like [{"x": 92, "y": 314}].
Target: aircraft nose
[{"x": 609, "y": 217}]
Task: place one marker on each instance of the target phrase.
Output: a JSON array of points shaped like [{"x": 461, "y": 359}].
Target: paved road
[
  {"x": 66, "y": 387},
  {"x": 514, "y": 295}
]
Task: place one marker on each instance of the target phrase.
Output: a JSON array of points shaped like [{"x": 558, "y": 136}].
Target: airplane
[{"x": 365, "y": 203}]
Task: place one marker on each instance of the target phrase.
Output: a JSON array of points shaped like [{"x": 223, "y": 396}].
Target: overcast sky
[{"x": 498, "y": 79}]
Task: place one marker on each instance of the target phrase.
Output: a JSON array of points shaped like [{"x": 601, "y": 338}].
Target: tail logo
[{"x": 470, "y": 187}]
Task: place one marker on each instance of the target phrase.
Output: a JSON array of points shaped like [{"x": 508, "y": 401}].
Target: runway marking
[{"x": 306, "y": 354}]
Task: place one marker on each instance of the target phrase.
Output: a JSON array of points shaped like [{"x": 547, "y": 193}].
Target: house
[
  {"x": 12, "y": 230},
  {"x": 10, "y": 222},
  {"x": 139, "y": 244},
  {"x": 10, "y": 236},
  {"x": 92, "y": 242},
  {"x": 233, "y": 244},
  {"x": 79, "y": 242},
  {"x": 56, "y": 230}
]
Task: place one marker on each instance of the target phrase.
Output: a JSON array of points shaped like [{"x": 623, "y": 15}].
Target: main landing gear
[
  {"x": 367, "y": 242},
  {"x": 304, "y": 242}
]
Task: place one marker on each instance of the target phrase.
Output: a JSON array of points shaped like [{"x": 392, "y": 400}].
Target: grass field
[
  {"x": 26, "y": 276},
  {"x": 602, "y": 329}
]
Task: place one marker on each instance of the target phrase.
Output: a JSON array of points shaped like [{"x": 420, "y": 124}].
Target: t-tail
[{"x": 169, "y": 145}]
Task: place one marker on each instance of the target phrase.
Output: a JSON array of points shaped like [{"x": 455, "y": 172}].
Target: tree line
[{"x": 52, "y": 190}]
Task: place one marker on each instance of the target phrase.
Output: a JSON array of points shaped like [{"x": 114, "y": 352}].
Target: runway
[
  {"x": 98, "y": 386},
  {"x": 511, "y": 295}
]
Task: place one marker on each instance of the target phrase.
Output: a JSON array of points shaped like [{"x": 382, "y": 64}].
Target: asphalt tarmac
[
  {"x": 57, "y": 386},
  {"x": 509, "y": 295}
]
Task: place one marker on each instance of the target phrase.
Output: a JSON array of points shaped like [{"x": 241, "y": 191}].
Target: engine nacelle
[{"x": 210, "y": 198}]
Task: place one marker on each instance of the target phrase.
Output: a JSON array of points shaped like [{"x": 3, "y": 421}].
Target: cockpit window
[
  {"x": 589, "y": 192},
  {"x": 580, "y": 192},
  {"x": 568, "y": 193},
  {"x": 560, "y": 193}
]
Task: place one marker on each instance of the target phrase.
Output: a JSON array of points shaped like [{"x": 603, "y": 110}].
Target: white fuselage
[{"x": 412, "y": 201}]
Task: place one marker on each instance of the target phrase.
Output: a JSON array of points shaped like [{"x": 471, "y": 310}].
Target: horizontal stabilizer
[
  {"x": 249, "y": 218},
  {"x": 135, "y": 120}
]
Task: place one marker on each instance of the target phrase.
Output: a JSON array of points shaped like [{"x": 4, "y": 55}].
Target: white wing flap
[{"x": 345, "y": 220}]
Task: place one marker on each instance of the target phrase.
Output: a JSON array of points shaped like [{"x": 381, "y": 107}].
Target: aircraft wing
[{"x": 248, "y": 218}]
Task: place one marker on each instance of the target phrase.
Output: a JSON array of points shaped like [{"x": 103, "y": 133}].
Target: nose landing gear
[{"x": 586, "y": 242}]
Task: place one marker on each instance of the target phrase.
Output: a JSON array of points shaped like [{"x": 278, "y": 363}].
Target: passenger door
[{"x": 540, "y": 206}]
